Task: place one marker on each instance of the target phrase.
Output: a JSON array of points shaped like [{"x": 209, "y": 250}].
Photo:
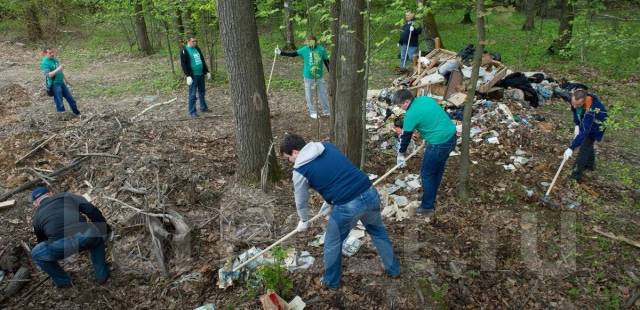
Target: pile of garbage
[{"x": 502, "y": 124}]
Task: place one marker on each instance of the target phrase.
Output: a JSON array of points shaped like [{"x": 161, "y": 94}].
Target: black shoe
[
  {"x": 425, "y": 212},
  {"x": 205, "y": 111},
  {"x": 193, "y": 115}
]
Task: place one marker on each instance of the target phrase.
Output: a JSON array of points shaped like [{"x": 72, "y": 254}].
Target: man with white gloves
[
  {"x": 588, "y": 115},
  {"x": 194, "y": 68},
  {"x": 323, "y": 167}
]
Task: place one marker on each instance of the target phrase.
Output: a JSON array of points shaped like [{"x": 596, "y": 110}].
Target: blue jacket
[
  {"x": 323, "y": 167},
  {"x": 589, "y": 121},
  {"x": 415, "y": 35}
]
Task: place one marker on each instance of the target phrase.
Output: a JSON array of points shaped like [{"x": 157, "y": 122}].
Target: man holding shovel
[
  {"x": 314, "y": 56},
  {"x": 323, "y": 167},
  {"x": 409, "y": 39},
  {"x": 588, "y": 114},
  {"x": 436, "y": 128}
]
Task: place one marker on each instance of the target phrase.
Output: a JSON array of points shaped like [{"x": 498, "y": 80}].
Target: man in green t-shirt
[
  {"x": 56, "y": 81},
  {"x": 436, "y": 128},
  {"x": 314, "y": 56},
  {"x": 195, "y": 68}
]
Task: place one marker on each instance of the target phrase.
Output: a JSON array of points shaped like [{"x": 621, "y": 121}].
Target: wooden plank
[
  {"x": 7, "y": 203},
  {"x": 484, "y": 88}
]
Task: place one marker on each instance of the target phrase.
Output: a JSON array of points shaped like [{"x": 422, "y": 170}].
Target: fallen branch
[
  {"x": 6, "y": 204},
  {"x": 31, "y": 183},
  {"x": 124, "y": 204},
  {"x": 153, "y": 106},
  {"x": 99, "y": 155},
  {"x": 41, "y": 145},
  {"x": 614, "y": 237}
]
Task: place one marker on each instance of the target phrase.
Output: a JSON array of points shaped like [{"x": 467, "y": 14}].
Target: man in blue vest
[
  {"x": 588, "y": 115},
  {"x": 324, "y": 168}
]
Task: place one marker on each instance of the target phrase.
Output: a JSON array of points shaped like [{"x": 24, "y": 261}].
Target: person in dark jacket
[
  {"x": 195, "y": 68},
  {"x": 588, "y": 115},
  {"x": 409, "y": 36},
  {"x": 323, "y": 167},
  {"x": 61, "y": 228}
]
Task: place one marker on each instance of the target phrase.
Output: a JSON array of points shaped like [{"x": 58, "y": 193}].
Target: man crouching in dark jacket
[{"x": 62, "y": 230}]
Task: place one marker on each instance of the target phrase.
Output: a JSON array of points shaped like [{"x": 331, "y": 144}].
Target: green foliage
[{"x": 272, "y": 276}]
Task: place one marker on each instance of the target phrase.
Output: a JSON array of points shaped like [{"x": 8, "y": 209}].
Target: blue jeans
[
  {"x": 61, "y": 91},
  {"x": 321, "y": 87},
  {"x": 344, "y": 217},
  {"x": 433, "y": 164},
  {"x": 413, "y": 50},
  {"x": 197, "y": 87},
  {"x": 46, "y": 255}
]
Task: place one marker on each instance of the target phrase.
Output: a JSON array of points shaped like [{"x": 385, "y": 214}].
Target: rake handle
[
  {"x": 273, "y": 65},
  {"x": 556, "y": 177}
]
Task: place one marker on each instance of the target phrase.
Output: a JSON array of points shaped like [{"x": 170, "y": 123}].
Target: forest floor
[{"x": 188, "y": 165}]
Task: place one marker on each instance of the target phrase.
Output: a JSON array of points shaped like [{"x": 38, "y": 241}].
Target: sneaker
[
  {"x": 425, "y": 212},
  {"x": 205, "y": 111},
  {"x": 193, "y": 115},
  {"x": 314, "y": 115}
]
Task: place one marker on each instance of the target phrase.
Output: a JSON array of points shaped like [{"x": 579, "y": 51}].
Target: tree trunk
[
  {"x": 141, "y": 29},
  {"x": 463, "y": 181},
  {"x": 248, "y": 94},
  {"x": 430, "y": 27},
  {"x": 467, "y": 15},
  {"x": 191, "y": 25},
  {"x": 34, "y": 30},
  {"x": 166, "y": 32},
  {"x": 566, "y": 27},
  {"x": 335, "y": 31},
  {"x": 530, "y": 11},
  {"x": 179, "y": 25},
  {"x": 288, "y": 26},
  {"x": 350, "y": 79}
]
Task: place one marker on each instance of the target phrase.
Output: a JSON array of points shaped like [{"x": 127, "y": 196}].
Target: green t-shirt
[
  {"x": 49, "y": 64},
  {"x": 196, "y": 61},
  {"x": 429, "y": 119},
  {"x": 313, "y": 61}
]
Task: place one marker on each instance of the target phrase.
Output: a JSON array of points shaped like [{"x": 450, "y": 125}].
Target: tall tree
[
  {"x": 463, "y": 179},
  {"x": 141, "y": 28},
  {"x": 467, "y": 14},
  {"x": 248, "y": 92},
  {"x": 349, "y": 60},
  {"x": 430, "y": 26},
  {"x": 179, "y": 24},
  {"x": 288, "y": 25},
  {"x": 32, "y": 19},
  {"x": 530, "y": 13},
  {"x": 335, "y": 32},
  {"x": 566, "y": 27}
]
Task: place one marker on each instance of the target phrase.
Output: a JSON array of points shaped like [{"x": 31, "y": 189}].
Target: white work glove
[
  {"x": 576, "y": 131},
  {"x": 568, "y": 153},
  {"x": 401, "y": 160},
  {"x": 302, "y": 226},
  {"x": 189, "y": 81},
  {"x": 326, "y": 209},
  {"x": 277, "y": 51},
  {"x": 411, "y": 28},
  {"x": 208, "y": 75}
]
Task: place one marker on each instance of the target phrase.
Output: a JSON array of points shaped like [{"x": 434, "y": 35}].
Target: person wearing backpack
[
  {"x": 55, "y": 81},
  {"x": 588, "y": 115}
]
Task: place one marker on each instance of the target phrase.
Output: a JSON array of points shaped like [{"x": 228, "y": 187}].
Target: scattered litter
[
  {"x": 372, "y": 176},
  {"x": 318, "y": 240},
  {"x": 206, "y": 307},
  {"x": 297, "y": 304},
  {"x": 493, "y": 140},
  {"x": 297, "y": 261},
  {"x": 352, "y": 244},
  {"x": 509, "y": 167},
  {"x": 7, "y": 203},
  {"x": 272, "y": 301},
  {"x": 399, "y": 200}
]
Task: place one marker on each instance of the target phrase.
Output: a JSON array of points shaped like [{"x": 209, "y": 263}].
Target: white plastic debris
[
  {"x": 413, "y": 184},
  {"x": 372, "y": 176},
  {"x": 206, "y": 307},
  {"x": 297, "y": 304},
  {"x": 351, "y": 245},
  {"x": 297, "y": 261},
  {"x": 317, "y": 241},
  {"x": 509, "y": 167},
  {"x": 493, "y": 140},
  {"x": 399, "y": 200}
]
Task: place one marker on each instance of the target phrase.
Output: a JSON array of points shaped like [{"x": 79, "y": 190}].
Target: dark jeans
[
  {"x": 344, "y": 217},
  {"x": 433, "y": 164},
  {"x": 197, "y": 87},
  {"x": 586, "y": 158},
  {"x": 61, "y": 91},
  {"x": 46, "y": 255}
]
